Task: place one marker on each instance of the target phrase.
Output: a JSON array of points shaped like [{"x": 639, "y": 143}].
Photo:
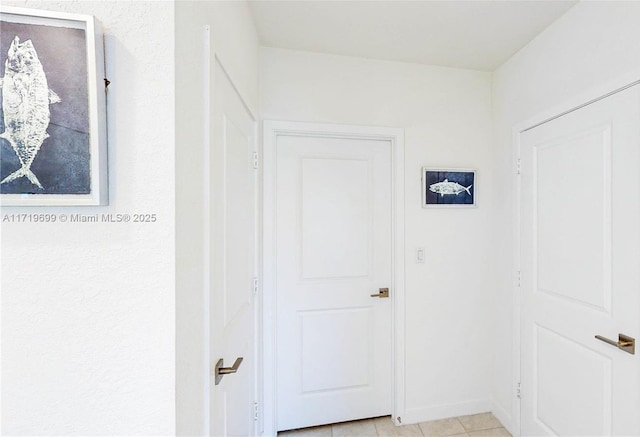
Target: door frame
[
  {"x": 271, "y": 131},
  {"x": 570, "y": 105}
]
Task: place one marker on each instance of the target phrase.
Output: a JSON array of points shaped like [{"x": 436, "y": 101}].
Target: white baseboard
[
  {"x": 436, "y": 412},
  {"x": 502, "y": 415}
]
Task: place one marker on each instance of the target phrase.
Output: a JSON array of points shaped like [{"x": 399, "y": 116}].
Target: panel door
[
  {"x": 580, "y": 252},
  {"x": 233, "y": 259},
  {"x": 333, "y": 242}
]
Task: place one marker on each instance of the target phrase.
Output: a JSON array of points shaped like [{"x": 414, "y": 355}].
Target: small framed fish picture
[
  {"x": 53, "y": 148},
  {"x": 448, "y": 188}
]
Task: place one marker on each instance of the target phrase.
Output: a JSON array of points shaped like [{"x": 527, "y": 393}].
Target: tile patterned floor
[{"x": 477, "y": 425}]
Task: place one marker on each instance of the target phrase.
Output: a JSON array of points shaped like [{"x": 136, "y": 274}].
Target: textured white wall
[
  {"x": 446, "y": 114},
  {"x": 594, "y": 43},
  {"x": 88, "y": 309},
  {"x": 235, "y": 42}
]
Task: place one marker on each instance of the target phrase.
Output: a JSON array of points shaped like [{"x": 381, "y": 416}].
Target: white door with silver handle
[{"x": 580, "y": 252}]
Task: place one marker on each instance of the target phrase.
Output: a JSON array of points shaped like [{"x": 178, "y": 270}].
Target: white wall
[
  {"x": 593, "y": 44},
  {"x": 88, "y": 309},
  {"x": 235, "y": 43},
  {"x": 446, "y": 114}
]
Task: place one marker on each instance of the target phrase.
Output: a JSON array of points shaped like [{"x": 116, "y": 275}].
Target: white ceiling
[{"x": 478, "y": 35}]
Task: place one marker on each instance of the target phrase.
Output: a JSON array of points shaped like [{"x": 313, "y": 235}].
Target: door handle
[
  {"x": 625, "y": 343},
  {"x": 384, "y": 292},
  {"x": 220, "y": 371}
]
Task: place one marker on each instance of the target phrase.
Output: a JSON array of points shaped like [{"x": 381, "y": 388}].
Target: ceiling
[{"x": 478, "y": 35}]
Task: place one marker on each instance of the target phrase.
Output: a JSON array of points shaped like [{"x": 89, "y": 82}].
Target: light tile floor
[{"x": 477, "y": 425}]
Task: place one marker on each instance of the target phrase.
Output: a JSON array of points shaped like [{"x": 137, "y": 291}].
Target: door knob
[
  {"x": 625, "y": 343},
  {"x": 384, "y": 292},
  {"x": 220, "y": 371}
]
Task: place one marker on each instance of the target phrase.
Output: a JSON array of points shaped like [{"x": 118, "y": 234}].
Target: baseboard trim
[
  {"x": 502, "y": 415},
  {"x": 436, "y": 412}
]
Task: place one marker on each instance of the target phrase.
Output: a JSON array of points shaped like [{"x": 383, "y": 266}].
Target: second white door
[
  {"x": 333, "y": 243},
  {"x": 580, "y": 252}
]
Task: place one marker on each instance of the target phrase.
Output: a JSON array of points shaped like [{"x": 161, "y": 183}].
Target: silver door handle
[
  {"x": 220, "y": 371},
  {"x": 624, "y": 343}
]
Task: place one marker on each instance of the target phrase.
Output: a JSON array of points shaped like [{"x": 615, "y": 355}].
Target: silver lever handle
[
  {"x": 221, "y": 371},
  {"x": 624, "y": 343}
]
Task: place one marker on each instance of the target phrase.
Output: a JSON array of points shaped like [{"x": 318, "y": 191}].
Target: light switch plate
[{"x": 420, "y": 254}]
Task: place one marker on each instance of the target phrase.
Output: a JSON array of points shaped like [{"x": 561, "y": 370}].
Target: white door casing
[
  {"x": 579, "y": 257},
  {"x": 233, "y": 258},
  {"x": 326, "y": 186}
]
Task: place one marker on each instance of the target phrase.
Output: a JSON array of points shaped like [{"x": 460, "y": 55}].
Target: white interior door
[
  {"x": 233, "y": 259},
  {"x": 580, "y": 258},
  {"x": 333, "y": 245}
]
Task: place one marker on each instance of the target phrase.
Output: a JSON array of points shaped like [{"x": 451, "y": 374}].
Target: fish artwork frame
[
  {"x": 448, "y": 188},
  {"x": 53, "y": 137}
]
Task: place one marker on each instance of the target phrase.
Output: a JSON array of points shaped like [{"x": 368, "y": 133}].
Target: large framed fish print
[
  {"x": 448, "y": 188},
  {"x": 53, "y": 148}
]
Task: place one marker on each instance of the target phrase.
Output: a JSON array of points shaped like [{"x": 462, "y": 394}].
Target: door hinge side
[
  {"x": 519, "y": 278},
  {"x": 255, "y": 286},
  {"x": 519, "y": 166},
  {"x": 518, "y": 391},
  {"x": 256, "y": 411},
  {"x": 255, "y": 160}
]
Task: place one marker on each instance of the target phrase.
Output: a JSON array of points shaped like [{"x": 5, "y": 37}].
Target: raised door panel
[
  {"x": 239, "y": 220},
  {"x": 573, "y": 220},
  {"x": 350, "y": 337},
  {"x": 572, "y": 388},
  {"x": 335, "y": 218}
]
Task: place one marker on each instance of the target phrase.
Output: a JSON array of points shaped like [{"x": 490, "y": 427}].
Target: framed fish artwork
[
  {"x": 53, "y": 148},
  {"x": 448, "y": 188}
]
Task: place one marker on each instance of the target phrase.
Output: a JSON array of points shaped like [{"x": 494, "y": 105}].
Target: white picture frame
[
  {"x": 449, "y": 187},
  {"x": 63, "y": 160}
]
